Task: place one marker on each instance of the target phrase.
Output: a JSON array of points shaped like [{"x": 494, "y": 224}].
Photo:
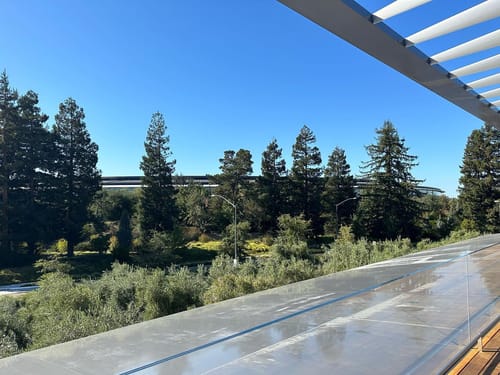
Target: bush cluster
[{"x": 63, "y": 309}]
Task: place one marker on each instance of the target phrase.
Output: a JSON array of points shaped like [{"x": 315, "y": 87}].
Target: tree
[
  {"x": 306, "y": 178},
  {"x": 33, "y": 182},
  {"x": 339, "y": 186},
  {"x": 123, "y": 244},
  {"x": 388, "y": 207},
  {"x": 8, "y": 118},
  {"x": 192, "y": 201},
  {"x": 480, "y": 179},
  {"x": 157, "y": 202},
  {"x": 233, "y": 181},
  {"x": 227, "y": 243},
  {"x": 235, "y": 167},
  {"x": 271, "y": 185},
  {"x": 439, "y": 216},
  {"x": 78, "y": 178}
]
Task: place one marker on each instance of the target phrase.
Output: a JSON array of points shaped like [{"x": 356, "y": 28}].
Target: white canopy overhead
[
  {"x": 398, "y": 7},
  {"x": 472, "y": 16},
  {"x": 478, "y": 67},
  {"x": 486, "y": 81},
  {"x": 485, "y": 42},
  {"x": 367, "y": 30},
  {"x": 491, "y": 94}
]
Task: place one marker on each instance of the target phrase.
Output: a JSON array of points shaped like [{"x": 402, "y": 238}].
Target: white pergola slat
[
  {"x": 480, "y": 13},
  {"x": 479, "y": 44},
  {"x": 496, "y": 104},
  {"x": 398, "y": 7},
  {"x": 491, "y": 93},
  {"x": 478, "y": 67},
  {"x": 353, "y": 23},
  {"x": 486, "y": 81}
]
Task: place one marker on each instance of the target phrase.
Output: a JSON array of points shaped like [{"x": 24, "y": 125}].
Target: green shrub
[
  {"x": 186, "y": 288},
  {"x": 14, "y": 331},
  {"x": 423, "y": 244},
  {"x": 204, "y": 238},
  {"x": 467, "y": 225},
  {"x": 277, "y": 271},
  {"x": 256, "y": 246},
  {"x": 63, "y": 309},
  {"x": 221, "y": 265},
  {"x": 52, "y": 264},
  {"x": 153, "y": 296},
  {"x": 228, "y": 286},
  {"x": 268, "y": 240},
  {"x": 291, "y": 239},
  {"x": 99, "y": 242},
  {"x": 61, "y": 246},
  {"x": 83, "y": 246},
  {"x": 191, "y": 233},
  {"x": 165, "y": 242},
  {"x": 341, "y": 256},
  {"x": 345, "y": 234},
  {"x": 461, "y": 235}
]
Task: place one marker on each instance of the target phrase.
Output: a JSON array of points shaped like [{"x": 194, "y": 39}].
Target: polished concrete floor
[{"x": 410, "y": 315}]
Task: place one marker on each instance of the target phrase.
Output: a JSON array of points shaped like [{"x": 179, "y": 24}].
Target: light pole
[
  {"x": 235, "y": 231},
  {"x": 337, "y": 211}
]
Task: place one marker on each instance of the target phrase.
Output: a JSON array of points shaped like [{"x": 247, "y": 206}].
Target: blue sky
[{"x": 226, "y": 74}]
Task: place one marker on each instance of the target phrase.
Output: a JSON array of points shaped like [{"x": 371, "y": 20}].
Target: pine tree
[
  {"x": 158, "y": 209},
  {"x": 388, "y": 207},
  {"x": 8, "y": 118},
  {"x": 271, "y": 185},
  {"x": 78, "y": 178},
  {"x": 306, "y": 179},
  {"x": 480, "y": 179},
  {"x": 339, "y": 186},
  {"x": 192, "y": 201},
  {"x": 235, "y": 167},
  {"x": 121, "y": 250},
  {"x": 33, "y": 181}
]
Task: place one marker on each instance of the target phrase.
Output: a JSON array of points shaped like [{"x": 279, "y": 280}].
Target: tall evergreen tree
[
  {"x": 439, "y": 216},
  {"x": 33, "y": 182},
  {"x": 235, "y": 167},
  {"x": 271, "y": 185},
  {"x": 8, "y": 119},
  {"x": 480, "y": 179},
  {"x": 306, "y": 178},
  {"x": 233, "y": 184},
  {"x": 158, "y": 209},
  {"x": 339, "y": 186},
  {"x": 121, "y": 249},
  {"x": 388, "y": 207},
  {"x": 76, "y": 169},
  {"x": 192, "y": 201}
]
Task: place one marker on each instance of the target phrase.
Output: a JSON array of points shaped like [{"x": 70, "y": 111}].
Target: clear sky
[{"x": 226, "y": 74}]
